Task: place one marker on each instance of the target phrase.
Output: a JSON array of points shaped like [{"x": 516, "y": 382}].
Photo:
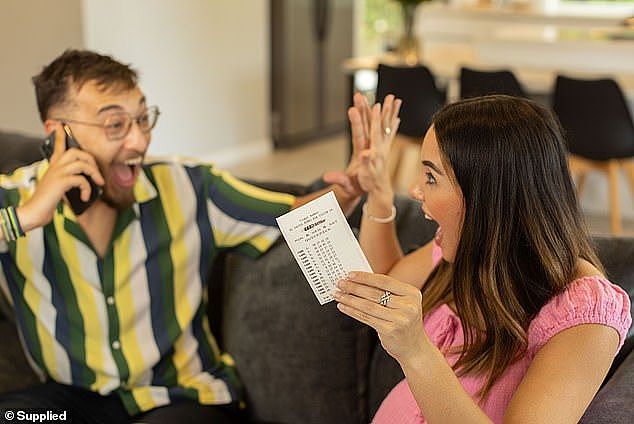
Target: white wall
[
  {"x": 32, "y": 33},
  {"x": 204, "y": 62}
]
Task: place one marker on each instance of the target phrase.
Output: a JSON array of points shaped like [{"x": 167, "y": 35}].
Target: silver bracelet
[{"x": 376, "y": 218}]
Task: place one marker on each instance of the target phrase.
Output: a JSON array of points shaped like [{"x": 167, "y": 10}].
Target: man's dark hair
[{"x": 75, "y": 68}]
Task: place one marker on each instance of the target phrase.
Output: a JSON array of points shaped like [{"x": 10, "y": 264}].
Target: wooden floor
[{"x": 306, "y": 163}]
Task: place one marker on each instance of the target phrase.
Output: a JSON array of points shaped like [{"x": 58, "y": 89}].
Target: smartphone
[{"x": 74, "y": 194}]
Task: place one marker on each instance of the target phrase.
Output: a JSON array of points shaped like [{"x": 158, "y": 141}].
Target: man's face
[{"x": 119, "y": 160}]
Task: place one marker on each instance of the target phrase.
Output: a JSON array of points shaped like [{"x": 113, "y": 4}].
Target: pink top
[{"x": 587, "y": 300}]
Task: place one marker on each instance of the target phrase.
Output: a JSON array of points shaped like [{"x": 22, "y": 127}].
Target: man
[{"x": 110, "y": 303}]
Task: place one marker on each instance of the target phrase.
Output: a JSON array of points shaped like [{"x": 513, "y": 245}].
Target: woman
[{"x": 506, "y": 316}]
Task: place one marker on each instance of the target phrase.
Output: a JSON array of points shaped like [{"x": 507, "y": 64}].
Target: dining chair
[
  {"x": 474, "y": 83},
  {"x": 599, "y": 131},
  {"x": 416, "y": 86}
]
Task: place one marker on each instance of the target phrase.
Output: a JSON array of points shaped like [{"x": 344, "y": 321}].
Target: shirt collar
[{"x": 144, "y": 190}]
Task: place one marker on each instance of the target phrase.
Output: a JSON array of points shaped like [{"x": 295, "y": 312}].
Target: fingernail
[
  {"x": 339, "y": 283},
  {"x": 352, "y": 275}
]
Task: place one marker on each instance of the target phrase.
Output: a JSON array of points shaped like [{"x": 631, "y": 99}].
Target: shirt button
[
  {"x": 110, "y": 300},
  {"x": 116, "y": 344}
]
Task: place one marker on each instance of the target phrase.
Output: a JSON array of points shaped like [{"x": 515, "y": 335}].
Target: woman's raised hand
[
  {"x": 380, "y": 124},
  {"x": 373, "y": 130}
]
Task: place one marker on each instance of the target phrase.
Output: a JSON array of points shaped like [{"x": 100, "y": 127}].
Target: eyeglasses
[{"x": 118, "y": 125}]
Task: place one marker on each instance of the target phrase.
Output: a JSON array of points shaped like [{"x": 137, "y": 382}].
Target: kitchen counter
[{"x": 535, "y": 45}]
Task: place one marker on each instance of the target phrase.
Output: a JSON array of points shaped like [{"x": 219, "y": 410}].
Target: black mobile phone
[{"x": 74, "y": 194}]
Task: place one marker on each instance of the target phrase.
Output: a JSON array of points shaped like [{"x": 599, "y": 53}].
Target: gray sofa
[{"x": 304, "y": 363}]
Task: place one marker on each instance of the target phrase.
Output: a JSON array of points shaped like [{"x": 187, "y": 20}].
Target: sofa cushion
[
  {"x": 299, "y": 361},
  {"x": 15, "y": 371},
  {"x": 384, "y": 374},
  {"x": 285, "y": 343},
  {"x": 617, "y": 256},
  {"x": 411, "y": 226}
]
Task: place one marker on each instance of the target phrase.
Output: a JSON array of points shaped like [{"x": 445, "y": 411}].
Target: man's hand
[{"x": 62, "y": 174}]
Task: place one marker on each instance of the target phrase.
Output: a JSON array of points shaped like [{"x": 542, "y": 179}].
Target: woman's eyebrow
[{"x": 433, "y": 166}]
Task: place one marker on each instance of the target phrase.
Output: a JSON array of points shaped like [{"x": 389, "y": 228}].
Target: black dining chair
[
  {"x": 474, "y": 83},
  {"x": 599, "y": 131},
  {"x": 416, "y": 86}
]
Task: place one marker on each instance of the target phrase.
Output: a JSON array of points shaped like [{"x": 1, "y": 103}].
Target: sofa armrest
[
  {"x": 290, "y": 188},
  {"x": 17, "y": 150},
  {"x": 616, "y": 254}
]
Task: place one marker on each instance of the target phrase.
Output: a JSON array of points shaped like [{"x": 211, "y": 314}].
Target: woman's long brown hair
[{"x": 522, "y": 233}]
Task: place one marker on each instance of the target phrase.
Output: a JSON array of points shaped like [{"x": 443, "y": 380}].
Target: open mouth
[
  {"x": 439, "y": 232},
  {"x": 438, "y": 236},
  {"x": 125, "y": 173}
]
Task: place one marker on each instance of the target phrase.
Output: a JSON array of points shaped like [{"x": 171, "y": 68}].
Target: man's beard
[{"x": 120, "y": 202}]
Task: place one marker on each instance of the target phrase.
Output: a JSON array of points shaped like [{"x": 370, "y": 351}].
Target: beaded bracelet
[
  {"x": 376, "y": 218},
  {"x": 9, "y": 224}
]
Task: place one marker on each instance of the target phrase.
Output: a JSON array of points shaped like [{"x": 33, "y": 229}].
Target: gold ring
[{"x": 387, "y": 130}]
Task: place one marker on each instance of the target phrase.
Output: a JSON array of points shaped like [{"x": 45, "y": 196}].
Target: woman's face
[{"x": 440, "y": 196}]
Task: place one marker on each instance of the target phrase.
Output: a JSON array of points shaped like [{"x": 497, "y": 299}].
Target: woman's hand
[
  {"x": 371, "y": 141},
  {"x": 399, "y": 323},
  {"x": 381, "y": 124}
]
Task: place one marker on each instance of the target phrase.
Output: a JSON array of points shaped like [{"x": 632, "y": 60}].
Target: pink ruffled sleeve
[{"x": 587, "y": 300}]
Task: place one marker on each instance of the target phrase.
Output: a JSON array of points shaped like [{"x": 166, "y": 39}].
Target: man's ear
[{"x": 49, "y": 125}]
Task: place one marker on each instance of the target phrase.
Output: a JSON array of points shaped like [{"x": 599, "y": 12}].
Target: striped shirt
[{"x": 134, "y": 322}]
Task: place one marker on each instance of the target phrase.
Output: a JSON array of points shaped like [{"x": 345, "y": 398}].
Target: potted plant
[{"x": 409, "y": 45}]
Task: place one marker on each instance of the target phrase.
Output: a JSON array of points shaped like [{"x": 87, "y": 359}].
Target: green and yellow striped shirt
[{"x": 133, "y": 322}]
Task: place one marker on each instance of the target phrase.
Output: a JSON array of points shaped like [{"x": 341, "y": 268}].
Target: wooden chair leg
[
  {"x": 581, "y": 182},
  {"x": 628, "y": 165},
  {"x": 394, "y": 161},
  {"x": 613, "y": 182},
  {"x": 573, "y": 165},
  {"x": 408, "y": 169}
]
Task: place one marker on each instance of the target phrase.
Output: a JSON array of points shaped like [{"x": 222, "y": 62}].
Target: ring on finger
[
  {"x": 387, "y": 130},
  {"x": 385, "y": 298}
]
